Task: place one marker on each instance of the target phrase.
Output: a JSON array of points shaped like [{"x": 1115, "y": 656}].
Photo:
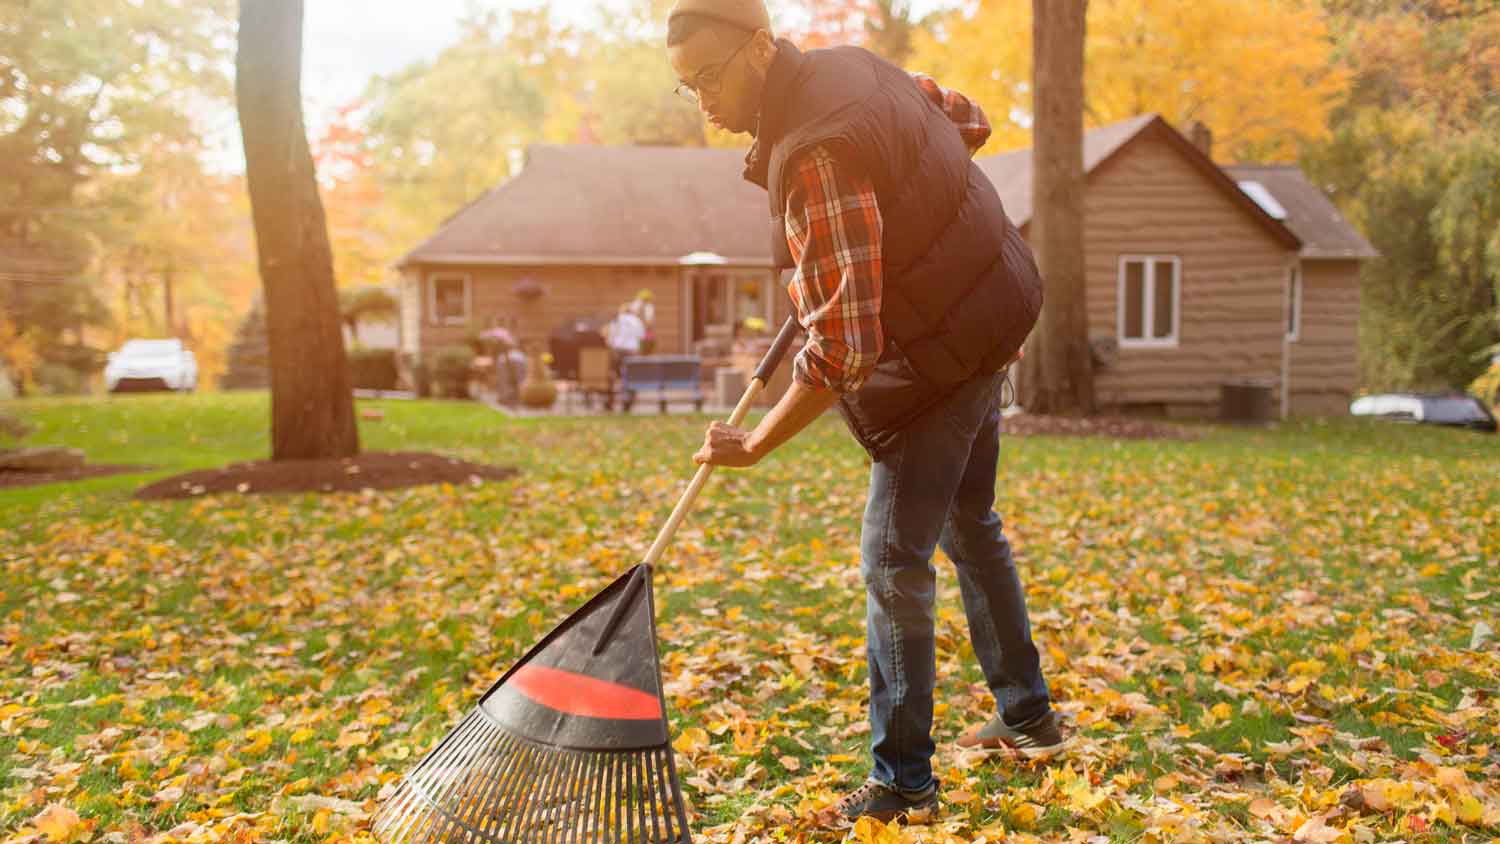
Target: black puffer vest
[{"x": 961, "y": 289}]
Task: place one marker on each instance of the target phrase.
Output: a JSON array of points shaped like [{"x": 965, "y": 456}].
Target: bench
[{"x": 660, "y": 378}]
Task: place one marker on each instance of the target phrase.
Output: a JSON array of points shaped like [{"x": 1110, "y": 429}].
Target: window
[
  {"x": 1149, "y": 295},
  {"x": 449, "y": 299},
  {"x": 1294, "y": 304}
]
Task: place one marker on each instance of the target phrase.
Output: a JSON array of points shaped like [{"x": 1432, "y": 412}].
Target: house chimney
[{"x": 1202, "y": 138}]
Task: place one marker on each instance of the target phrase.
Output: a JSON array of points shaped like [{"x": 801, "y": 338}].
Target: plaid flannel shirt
[{"x": 833, "y": 228}]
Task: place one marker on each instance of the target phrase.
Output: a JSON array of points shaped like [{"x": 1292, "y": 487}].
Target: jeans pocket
[{"x": 967, "y": 409}]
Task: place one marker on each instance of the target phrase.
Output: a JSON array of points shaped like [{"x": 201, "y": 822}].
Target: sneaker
[
  {"x": 877, "y": 800},
  {"x": 1038, "y": 738}
]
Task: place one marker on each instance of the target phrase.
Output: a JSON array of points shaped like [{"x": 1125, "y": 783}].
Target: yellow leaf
[
  {"x": 691, "y": 742},
  {"x": 1431, "y": 570},
  {"x": 791, "y": 763},
  {"x": 353, "y": 738},
  {"x": 1315, "y": 831},
  {"x": 1470, "y": 810},
  {"x": 302, "y": 735},
  {"x": 1222, "y": 711},
  {"x": 259, "y": 741},
  {"x": 1263, "y": 807},
  {"x": 320, "y": 821},
  {"x": 870, "y": 831},
  {"x": 59, "y": 823},
  {"x": 1165, "y": 783}
]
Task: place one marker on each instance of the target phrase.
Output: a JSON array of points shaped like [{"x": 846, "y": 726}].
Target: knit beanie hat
[{"x": 745, "y": 14}]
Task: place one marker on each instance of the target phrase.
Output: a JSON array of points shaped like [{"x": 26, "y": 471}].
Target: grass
[{"x": 1247, "y": 612}]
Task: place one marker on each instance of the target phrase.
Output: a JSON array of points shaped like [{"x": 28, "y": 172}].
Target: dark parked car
[{"x": 1452, "y": 409}]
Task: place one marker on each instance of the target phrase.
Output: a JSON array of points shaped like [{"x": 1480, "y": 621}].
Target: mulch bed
[
  {"x": 1117, "y": 427},
  {"x": 370, "y": 470},
  {"x": 9, "y": 478}
]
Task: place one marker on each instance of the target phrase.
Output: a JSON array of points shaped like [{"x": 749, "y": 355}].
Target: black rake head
[{"x": 570, "y": 745}]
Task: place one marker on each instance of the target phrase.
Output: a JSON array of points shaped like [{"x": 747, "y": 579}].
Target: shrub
[
  {"x": 373, "y": 369},
  {"x": 448, "y": 371}
]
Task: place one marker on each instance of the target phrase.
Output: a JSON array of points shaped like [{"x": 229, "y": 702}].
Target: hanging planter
[{"x": 528, "y": 289}]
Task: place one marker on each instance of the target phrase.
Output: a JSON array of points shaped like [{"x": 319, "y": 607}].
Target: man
[{"x": 915, "y": 292}]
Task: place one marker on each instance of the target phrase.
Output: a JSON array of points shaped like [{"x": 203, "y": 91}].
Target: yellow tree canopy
[{"x": 1259, "y": 73}]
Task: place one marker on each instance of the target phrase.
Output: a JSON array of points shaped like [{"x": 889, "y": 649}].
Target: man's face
[{"x": 727, "y": 74}]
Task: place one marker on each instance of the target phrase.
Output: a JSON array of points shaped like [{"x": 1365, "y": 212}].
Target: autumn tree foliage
[
  {"x": 1413, "y": 158},
  {"x": 1258, "y": 72}
]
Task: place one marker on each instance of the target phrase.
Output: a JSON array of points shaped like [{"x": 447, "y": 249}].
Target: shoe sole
[
  {"x": 926, "y": 813},
  {"x": 1031, "y": 754}
]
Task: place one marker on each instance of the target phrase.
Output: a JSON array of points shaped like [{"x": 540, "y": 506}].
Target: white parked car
[{"x": 151, "y": 365}]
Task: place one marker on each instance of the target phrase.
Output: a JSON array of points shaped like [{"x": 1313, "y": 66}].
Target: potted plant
[{"x": 538, "y": 390}]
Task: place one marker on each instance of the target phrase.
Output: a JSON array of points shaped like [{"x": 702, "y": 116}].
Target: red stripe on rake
[{"x": 579, "y": 694}]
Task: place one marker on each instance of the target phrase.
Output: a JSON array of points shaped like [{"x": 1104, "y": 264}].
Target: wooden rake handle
[{"x": 758, "y": 381}]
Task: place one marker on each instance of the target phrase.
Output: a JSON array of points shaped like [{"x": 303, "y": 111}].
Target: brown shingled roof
[
  {"x": 1011, "y": 172},
  {"x": 1323, "y": 230},
  {"x": 610, "y": 205}
]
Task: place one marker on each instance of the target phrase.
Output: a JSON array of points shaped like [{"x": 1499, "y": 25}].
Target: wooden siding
[
  {"x": 1325, "y": 356},
  {"x": 1149, "y": 200},
  {"x": 571, "y": 291}
]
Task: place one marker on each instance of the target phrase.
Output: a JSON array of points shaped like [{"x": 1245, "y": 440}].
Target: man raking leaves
[{"x": 916, "y": 292}]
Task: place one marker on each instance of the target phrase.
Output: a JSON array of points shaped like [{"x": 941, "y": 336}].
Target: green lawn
[{"x": 1238, "y": 630}]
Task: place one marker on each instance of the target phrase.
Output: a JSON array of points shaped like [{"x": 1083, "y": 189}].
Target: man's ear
[{"x": 762, "y": 50}]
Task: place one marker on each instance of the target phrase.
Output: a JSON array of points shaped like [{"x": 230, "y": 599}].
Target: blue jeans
[{"x": 937, "y": 487}]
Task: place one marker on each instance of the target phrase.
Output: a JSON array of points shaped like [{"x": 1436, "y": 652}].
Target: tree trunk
[
  {"x": 169, "y": 315},
  {"x": 312, "y": 405},
  {"x": 1057, "y": 372}
]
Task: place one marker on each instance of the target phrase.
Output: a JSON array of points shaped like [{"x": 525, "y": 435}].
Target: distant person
[
  {"x": 625, "y": 334},
  {"x": 643, "y": 307}
]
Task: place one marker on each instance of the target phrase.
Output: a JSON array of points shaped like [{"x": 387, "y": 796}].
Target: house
[
  {"x": 580, "y": 231},
  {"x": 1197, "y": 274}
]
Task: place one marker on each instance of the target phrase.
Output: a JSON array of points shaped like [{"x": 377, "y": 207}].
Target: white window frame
[
  {"x": 1295, "y": 284},
  {"x": 432, "y": 312},
  {"x": 1148, "y": 312}
]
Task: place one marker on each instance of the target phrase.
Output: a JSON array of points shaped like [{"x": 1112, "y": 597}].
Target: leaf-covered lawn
[{"x": 1260, "y": 635}]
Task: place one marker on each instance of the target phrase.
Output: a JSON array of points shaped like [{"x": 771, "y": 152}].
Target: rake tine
[
  {"x": 642, "y": 798},
  {"x": 567, "y": 811},
  {"x": 596, "y": 799},
  {"x": 614, "y": 799},
  {"x": 516, "y": 802},
  {"x": 563, "y": 812},
  {"x": 649, "y": 762},
  {"x": 415, "y": 807},
  {"x": 668, "y": 787},
  {"x": 469, "y": 785},
  {"x": 547, "y": 815},
  {"x": 580, "y": 797},
  {"x": 488, "y": 779},
  {"x": 509, "y": 755},
  {"x": 568, "y": 834},
  {"x": 456, "y": 783},
  {"x": 636, "y": 807},
  {"x": 659, "y": 799},
  {"x": 537, "y": 804}
]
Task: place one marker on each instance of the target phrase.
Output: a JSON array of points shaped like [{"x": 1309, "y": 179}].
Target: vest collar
[{"x": 784, "y": 69}]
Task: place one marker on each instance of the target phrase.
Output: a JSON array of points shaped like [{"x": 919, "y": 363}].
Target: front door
[{"x": 719, "y": 299}]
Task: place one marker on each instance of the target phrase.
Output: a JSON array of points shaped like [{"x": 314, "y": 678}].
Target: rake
[{"x": 572, "y": 744}]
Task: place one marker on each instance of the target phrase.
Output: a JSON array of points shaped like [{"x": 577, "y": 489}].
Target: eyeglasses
[{"x": 709, "y": 80}]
